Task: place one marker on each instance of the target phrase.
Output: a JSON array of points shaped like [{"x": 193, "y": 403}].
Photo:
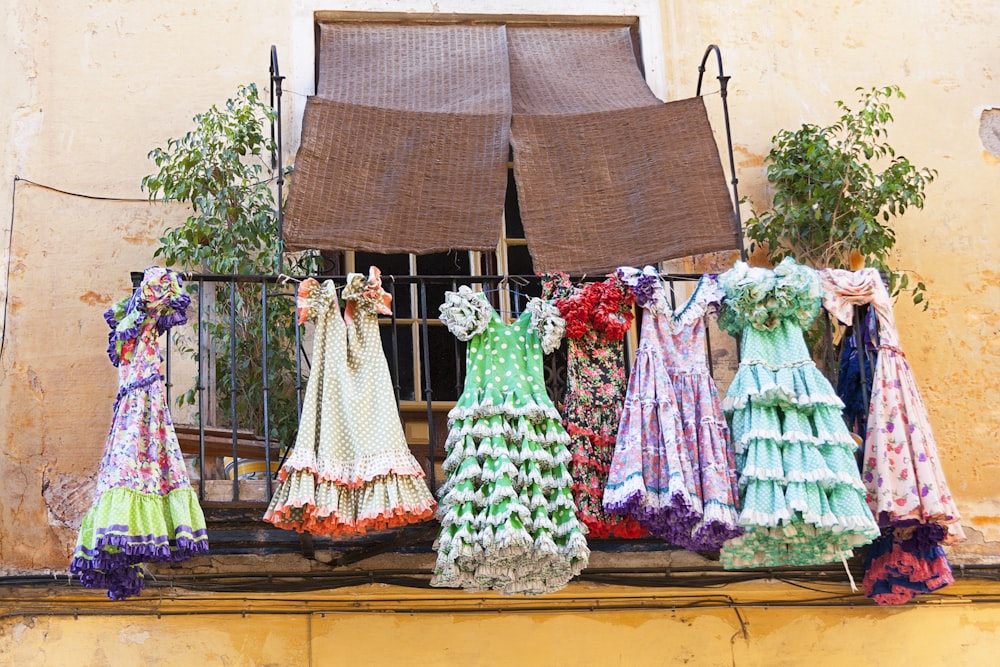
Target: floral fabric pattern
[
  {"x": 508, "y": 519},
  {"x": 674, "y": 467},
  {"x": 144, "y": 509},
  {"x": 598, "y": 315},
  {"x": 350, "y": 470},
  {"x": 801, "y": 496},
  {"x": 904, "y": 482}
]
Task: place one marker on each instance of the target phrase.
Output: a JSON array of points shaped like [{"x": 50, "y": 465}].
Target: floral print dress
[
  {"x": 145, "y": 509},
  {"x": 598, "y": 315},
  {"x": 905, "y": 484},
  {"x": 673, "y": 466},
  {"x": 508, "y": 519}
]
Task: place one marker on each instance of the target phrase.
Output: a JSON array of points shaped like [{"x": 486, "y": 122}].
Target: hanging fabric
[
  {"x": 801, "y": 496},
  {"x": 906, "y": 486},
  {"x": 404, "y": 146},
  {"x": 598, "y": 315},
  {"x": 508, "y": 519},
  {"x": 606, "y": 173},
  {"x": 350, "y": 470},
  {"x": 674, "y": 468},
  {"x": 144, "y": 510}
]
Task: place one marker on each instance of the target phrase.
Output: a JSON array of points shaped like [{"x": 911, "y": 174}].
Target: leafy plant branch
[{"x": 837, "y": 190}]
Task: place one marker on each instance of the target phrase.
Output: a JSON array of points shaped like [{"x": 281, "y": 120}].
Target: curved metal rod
[
  {"x": 276, "y": 152},
  {"x": 724, "y": 93}
]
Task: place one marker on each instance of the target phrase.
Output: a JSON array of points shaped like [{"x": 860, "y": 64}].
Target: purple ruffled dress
[
  {"x": 674, "y": 468},
  {"x": 144, "y": 508}
]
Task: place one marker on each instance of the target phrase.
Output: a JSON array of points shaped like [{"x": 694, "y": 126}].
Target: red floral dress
[{"x": 597, "y": 315}]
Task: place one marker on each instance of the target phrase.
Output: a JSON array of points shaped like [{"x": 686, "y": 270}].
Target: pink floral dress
[
  {"x": 905, "y": 484},
  {"x": 145, "y": 509},
  {"x": 674, "y": 468}
]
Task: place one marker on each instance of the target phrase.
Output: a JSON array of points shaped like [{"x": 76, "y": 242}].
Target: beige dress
[{"x": 350, "y": 469}]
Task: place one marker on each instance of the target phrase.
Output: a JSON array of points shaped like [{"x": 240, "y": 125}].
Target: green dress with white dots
[
  {"x": 801, "y": 497},
  {"x": 508, "y": 519}
]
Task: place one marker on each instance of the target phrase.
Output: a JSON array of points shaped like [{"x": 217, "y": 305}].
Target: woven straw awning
[{"x": 404, "y": 148}]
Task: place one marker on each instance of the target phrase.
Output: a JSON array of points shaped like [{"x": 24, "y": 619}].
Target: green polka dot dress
[
  {"x": 801, "y": 497},
  {"x": 508, "y": 519}
]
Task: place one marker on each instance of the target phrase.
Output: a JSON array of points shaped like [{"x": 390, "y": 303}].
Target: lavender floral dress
[
  {"x": 674, "y": 466},
  {"x": 145, "y": 509}
]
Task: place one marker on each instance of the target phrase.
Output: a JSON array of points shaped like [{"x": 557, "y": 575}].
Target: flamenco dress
[
  {"x": 350, "y": 470},
  {"x": 145, "y": 510},
  {"x": 905, "y": 484},
  {"x": 508, "y": 519},
  {"x": 800, "y": 490},
  {"x": 598, "y": 315},
  {"x": 674, "y": 466}
]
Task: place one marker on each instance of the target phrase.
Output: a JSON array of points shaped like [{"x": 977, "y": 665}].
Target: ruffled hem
[
  {"x": 356, "y": 473},
  {"x": 126, "y": 528},
  {"x": 895, "y": 574},
  {"x": 302, "y": 504},
  {"x": 794, "y": 543},
  {"x": 796, "y": 384},
  {"x": 490, "y": 403},
  {"x": 514, "y": 564}
]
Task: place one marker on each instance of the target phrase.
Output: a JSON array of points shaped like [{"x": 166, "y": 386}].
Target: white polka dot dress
[{"x": 351, "y": 469}]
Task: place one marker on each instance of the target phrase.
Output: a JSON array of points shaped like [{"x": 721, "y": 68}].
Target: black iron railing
[{"x": 232, "y": 433}]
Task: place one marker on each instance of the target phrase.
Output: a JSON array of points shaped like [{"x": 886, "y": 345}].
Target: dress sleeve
[
  {"x": 163, "y": 296},
  {"x": 797, "y": 292},
  {"x": 645, "y": 285},
  {"x": 465, "y": 313},
  {"x": 547, "y": 323},
  {"x": 314, "y": 299},
  {"x": 842, "y": 290},
  {"x": 365, "y": 295}
]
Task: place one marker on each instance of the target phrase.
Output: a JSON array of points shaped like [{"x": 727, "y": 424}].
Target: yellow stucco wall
[
  {"x": 89, "y": 90},
  {"x": 390, "y": 626}
]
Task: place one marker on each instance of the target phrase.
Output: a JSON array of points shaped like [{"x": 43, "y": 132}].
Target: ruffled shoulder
[
  {"x": 365, "y": 295},
  {"x": 707, "y": 296},
  {"x": 843, "y": 289},
  {"x": 646, "y": 287},
  {"x": 159, "y": 298},
  {"x": 547, "y": 323},
  {"x": 556, "y": 285},
  {"x": 314, "y": 299},
  {"x": 762, "y": 298},
  {"x": 465, "y": 313}
]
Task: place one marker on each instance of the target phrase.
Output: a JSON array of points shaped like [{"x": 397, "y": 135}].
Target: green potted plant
[
  {"x": 221, "y": 169},
  {"x": 837, "y": 190}
]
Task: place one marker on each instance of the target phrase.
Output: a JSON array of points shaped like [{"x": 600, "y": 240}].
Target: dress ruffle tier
[
  {"x": 508, "y": 519},
  {"x": 800, "y": 491},
  {"x": 145, "y": 510},
  {"x": 673, "y": 468},
  {"x": 351, "y": 470}
]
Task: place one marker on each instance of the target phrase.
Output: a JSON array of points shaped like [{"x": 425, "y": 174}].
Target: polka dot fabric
[
  {"x": 508, "y": 519},
  {"x": 350, "y": 470},
  {"x": 800, "y": 490}
]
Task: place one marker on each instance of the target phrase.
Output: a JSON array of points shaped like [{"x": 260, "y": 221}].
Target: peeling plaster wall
[{"x": 89, "y": 91}]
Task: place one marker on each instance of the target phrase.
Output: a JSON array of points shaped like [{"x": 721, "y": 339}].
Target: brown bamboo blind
[
  {"x": 606, "y": 173},
  {"x": 404, "y": 147}
]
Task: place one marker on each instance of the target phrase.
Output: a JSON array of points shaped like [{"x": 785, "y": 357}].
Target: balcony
[{"x": 230, "y": 445}]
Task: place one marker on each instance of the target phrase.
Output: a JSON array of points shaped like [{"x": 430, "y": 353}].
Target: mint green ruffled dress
[
  {"x": 801, "y": 494},
  {"x": 508, "y": 518}
]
